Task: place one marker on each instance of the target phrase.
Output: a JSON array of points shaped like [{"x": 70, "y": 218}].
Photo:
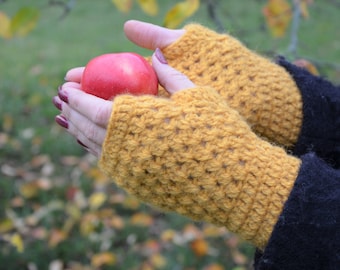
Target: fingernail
[
  {"x": 80, "y": 142},
  {"x": 63, "y": 96},
  {"x": 160, "y": 56},
  {"x": 62, "y": 121},
  {"x": 56, "y": 103}
]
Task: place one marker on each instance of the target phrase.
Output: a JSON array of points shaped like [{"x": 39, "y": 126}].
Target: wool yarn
[
  {"x": 195, "y": 155},
  {"x": 262, "y": 91}
]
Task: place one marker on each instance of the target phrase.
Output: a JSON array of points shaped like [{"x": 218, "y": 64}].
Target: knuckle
[
  {"x": 91, "y": 132},
  {"x": 75, "y": 103},
  {"x": 100, "y": 116}
]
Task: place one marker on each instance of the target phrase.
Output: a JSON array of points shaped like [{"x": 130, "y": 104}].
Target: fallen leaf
[
  {"x": 73, "y": 211},
  {"x": 8, "y": 170},
  {"x": 80, "y": 199},
  {"x": 168, "y": 235},
  {"x": 214, "y": 266},
  {"x": 200, "y": 247},
  {"x": 39, "y": 233},
  {"x": 131, "y": 202},
  {"x": 44, "y": 183},
  {"x": 88, "y": 223},
  {"x": 6, "y": 225},
  {"x": 146, "y": 266},
  {"x": 151, "y": 247},
  {"x": 70, "y": 160},
  {"x": 97, "y": 175},
  {"x": 238, "y": 257},
  {"x": 158, "y": 261},
  {"x": 117, "y": 198},
  {"x": 141, "y": 219},
  {"x": 116, "y": 222},
  {"x": 17, "y": 242},
  {"x": 7, "y": 122},
  {"x": 56, "y": 236},
  {"x": 4, "y": 138},
  {"x": 105, "y": 214},
  {"x": 17, "y": 201},
  {"x": 29, "y": 190},
  {"x": 104, "y": 258},
  {"x": 96, "y": 200},
  {"x": 39, "y": 160},
  {"x": 213, "y": 231},
  {"x": 191, "y": 232}
]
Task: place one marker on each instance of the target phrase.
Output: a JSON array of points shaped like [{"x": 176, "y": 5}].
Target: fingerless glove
[
  {"x": 193, "y": 154},
  {"x": 262, "y": 91}
]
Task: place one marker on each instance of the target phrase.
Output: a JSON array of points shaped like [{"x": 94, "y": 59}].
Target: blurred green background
[{"x": 57, "y": 211}]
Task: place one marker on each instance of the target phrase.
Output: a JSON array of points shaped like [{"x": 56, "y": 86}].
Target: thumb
[
  {"x": 150, "y": 36},
  {"x": 171, "y": 79},
  {"x": 74, "y": 74}
]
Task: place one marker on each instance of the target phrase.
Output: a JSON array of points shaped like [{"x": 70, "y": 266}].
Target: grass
[{"x": 48, "y": 184}]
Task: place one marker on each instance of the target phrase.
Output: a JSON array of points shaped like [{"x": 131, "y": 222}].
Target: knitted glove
[
  {"x": 194, "y": 155},
  {"x": 263, "y": 92}
]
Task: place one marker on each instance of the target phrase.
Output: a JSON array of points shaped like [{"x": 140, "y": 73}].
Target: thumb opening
[{"x": 171, "y": 79}]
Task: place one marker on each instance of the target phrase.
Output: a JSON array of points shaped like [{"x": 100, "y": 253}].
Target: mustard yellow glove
[
  {"x": 263, "y": 92},
  {"x": 194, "y": 155}
]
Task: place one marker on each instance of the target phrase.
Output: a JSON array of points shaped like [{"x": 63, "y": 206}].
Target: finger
[
  {"x": 90, "y": 134},
  {"x": 93, "y": 108},
  {"x": 74, "y": 74},
  {"x": 75, "y": 85},
  {"x": 150, "y": 36},
  {"x": 171, "y": 79},
  {"x": 81, "y": 138}
]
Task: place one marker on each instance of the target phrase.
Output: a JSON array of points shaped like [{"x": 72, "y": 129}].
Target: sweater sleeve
[
  {"x": 307, "y": 234},
  {"x": 320, "y": 132}
]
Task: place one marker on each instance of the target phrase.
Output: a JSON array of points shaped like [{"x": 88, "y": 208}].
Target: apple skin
[{"x": 109, "y": 75}]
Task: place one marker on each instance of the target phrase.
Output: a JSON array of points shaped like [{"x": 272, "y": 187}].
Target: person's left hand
[{"x": 86, "y": 116}]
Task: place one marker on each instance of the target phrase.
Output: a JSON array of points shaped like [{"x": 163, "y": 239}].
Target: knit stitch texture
[
  {"x": 195, "y": 155},
  {"x": 262, "y": 91},
  {"x": 307, "y": 234}
]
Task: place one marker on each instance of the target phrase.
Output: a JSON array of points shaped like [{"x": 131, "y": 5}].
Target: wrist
[{"x": 194, "y": 155}]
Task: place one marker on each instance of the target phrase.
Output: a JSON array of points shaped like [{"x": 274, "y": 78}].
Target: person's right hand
[{"x": 89, "y": 127}]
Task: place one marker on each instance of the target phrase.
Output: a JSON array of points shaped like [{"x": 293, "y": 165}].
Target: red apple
[{"x": 112, "y": 74}]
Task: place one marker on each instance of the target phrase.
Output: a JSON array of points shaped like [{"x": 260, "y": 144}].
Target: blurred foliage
[
  {"x": 57, "y": 209},
  {"x": 26, "y": 18},
  {"x": 91, "y": 224},
  {"x": 278, "y": 15}
]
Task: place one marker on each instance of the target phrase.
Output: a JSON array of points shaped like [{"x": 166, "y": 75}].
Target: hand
[{"x": 86, "y": 116}]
